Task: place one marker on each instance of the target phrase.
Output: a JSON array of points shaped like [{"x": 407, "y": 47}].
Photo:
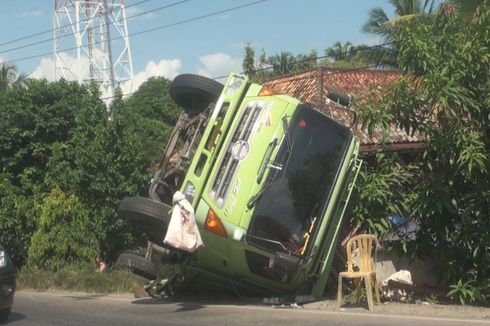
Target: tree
[
  {"x": 306, "y": 61},
  {"x": 64, "y": 237},
  {"x": 104, "y": 160},
  {"x": 155, "y": 113},
  {"x": 282, "y": 63},
  {"x": 346, "y": 55},
  {"x": 33, "y": 121},
  {"x": 445, "y": 96},
  {"x": 380, "y": 25},
  {"x": 339, "y": 51},
  {"x": 60, "y": 136},
  {"x": 9, "y": 76},
  {"x": 248, "y": 64}
]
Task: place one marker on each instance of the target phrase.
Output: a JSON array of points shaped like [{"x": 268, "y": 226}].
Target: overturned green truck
[{"x": 268, "y": 177}]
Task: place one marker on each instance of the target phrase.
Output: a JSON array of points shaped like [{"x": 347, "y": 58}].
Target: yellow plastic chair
[{"x": 360, "y": 266}]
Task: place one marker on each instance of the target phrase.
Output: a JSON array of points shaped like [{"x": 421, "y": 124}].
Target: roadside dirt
[
  {"x": 409, "y": 309},
  {"x": 441, "y": 310}
]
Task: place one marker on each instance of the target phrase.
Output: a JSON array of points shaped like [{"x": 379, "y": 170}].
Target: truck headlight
[
  {"x": 234, "y": 84},
  {"x": 189, "y": 191},
  {"x": 3, "y": 259}
]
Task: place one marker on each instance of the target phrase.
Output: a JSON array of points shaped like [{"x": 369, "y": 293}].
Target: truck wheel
[
  {"x": 194, "y": 93},
  {"x": 137, "y": 265},
  {"x": 4, "y": 314},
  {"x": 147, "y": 215}
]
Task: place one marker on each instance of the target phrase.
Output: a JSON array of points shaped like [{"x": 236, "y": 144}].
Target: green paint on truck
[{"x": 269, "y": 178}]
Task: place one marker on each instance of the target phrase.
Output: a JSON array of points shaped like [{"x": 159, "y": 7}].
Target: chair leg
[
  {"x": 339, "y": 291},
  {"x": 369, "y": 292},
  {"x": 357, "y": 284},
  {"x": 376, "y": 289}
]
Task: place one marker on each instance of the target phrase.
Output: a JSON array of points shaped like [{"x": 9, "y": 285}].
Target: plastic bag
[{"x": 182, "y": 232}]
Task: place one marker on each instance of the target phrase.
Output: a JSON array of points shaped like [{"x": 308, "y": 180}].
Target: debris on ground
[
  {"x": 302, "y": 299},
  {"x": 284, "y": 302},
  {"x": 397, "y": 286},
  {"x": 402, "y": 276}
]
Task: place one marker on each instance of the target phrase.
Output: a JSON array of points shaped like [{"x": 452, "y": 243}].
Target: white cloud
[
  {"x": 33, "y": 13},
  {"x": 168, "y": 68},
  {"x": 164, "y": 68},
  {"x": 46, "y": 68},
  {"x": 218, "y": 64}
]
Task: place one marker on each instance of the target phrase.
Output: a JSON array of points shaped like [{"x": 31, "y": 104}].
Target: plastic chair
[{"x": 360, "y": 266}]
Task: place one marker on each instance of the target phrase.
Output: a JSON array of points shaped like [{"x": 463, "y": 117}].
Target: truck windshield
[{"x": 296, "y": 195}]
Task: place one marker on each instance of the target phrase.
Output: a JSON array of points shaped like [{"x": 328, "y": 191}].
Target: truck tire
[
  {"x": 194, "y": 93},
  {"x": 137, "y": 265},
  {"x": 4, "y": 314},
  {"x": 147, "y": 215}
]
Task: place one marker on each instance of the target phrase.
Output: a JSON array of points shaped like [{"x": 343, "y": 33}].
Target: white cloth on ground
[{"x": 402, "y": 276}]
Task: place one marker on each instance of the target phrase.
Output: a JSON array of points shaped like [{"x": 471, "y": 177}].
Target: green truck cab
[{"x": 269, "y": 178}]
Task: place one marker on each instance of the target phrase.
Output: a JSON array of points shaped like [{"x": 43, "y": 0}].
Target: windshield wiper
[
  {"x": 251, "y": 202},
  {"x": 273, "y": 165}
]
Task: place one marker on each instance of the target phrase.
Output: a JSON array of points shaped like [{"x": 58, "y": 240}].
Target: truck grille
[{"x": 229, "y": 164}]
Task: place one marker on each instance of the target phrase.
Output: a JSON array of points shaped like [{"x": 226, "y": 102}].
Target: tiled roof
[{"x": 311, "y": 86}]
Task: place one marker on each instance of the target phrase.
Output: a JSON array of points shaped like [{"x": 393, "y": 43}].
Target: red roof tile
[{"x": 311, "y": 86}]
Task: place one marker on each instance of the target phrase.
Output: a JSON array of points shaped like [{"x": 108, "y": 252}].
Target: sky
[{"x": 211, "y": 46}]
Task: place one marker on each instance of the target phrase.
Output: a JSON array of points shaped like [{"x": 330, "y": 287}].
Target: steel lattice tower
[{"x": 91, "y": 43}]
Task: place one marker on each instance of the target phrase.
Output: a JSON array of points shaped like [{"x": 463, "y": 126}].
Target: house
[{"x": 312, "y": 86}]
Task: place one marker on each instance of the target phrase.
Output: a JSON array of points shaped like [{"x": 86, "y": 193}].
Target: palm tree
[
  {"x": 379, "y": 24},
  {"x": 9, "y": 76},
  {"x": 282, "y": 63},
  {"x": 339, "y": 51}
]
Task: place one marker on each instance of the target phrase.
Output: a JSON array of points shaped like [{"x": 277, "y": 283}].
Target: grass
[{"x": 117, "y": 281}]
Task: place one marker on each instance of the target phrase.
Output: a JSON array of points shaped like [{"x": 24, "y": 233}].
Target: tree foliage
[
  {"x": 347, "y": 55},
  {"x": 275, "y": 65},
  {"x": 9, "y": 76},
  {"x": 64, "y": 237},
  {"x": 379, "y": 24},
  {"x": 32, "y": 121},
  {"x": 61, "y": 136},
  {"x": 445, "y": 96}
]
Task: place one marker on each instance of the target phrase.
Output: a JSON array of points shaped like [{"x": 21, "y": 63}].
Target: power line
[
  {"x": 200, "y": 17},
  {"x": 156, "y": 28},
  {"x": 128, "y": 18},
  {"x": 355, "y": 50},
  {"x": 53, "y": 29},
  {"x": 338, "y": 71}
]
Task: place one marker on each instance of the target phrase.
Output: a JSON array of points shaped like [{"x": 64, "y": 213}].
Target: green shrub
[{"x": 63, "y": 237}]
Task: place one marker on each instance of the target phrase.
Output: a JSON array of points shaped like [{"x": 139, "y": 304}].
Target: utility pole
[{"x": 91, "y": 44}]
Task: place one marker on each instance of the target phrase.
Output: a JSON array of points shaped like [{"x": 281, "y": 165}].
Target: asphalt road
[{"x": 81, "y": 309}]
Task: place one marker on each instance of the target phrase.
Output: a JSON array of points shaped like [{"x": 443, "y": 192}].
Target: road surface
[{"x": 32, "y": 308}]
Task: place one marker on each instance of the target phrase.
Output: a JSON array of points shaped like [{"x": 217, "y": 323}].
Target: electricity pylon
[{"x": 91, "y": 44}]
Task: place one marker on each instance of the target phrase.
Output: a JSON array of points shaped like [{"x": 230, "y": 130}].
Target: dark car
[{"x": 7, "y": 284}]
